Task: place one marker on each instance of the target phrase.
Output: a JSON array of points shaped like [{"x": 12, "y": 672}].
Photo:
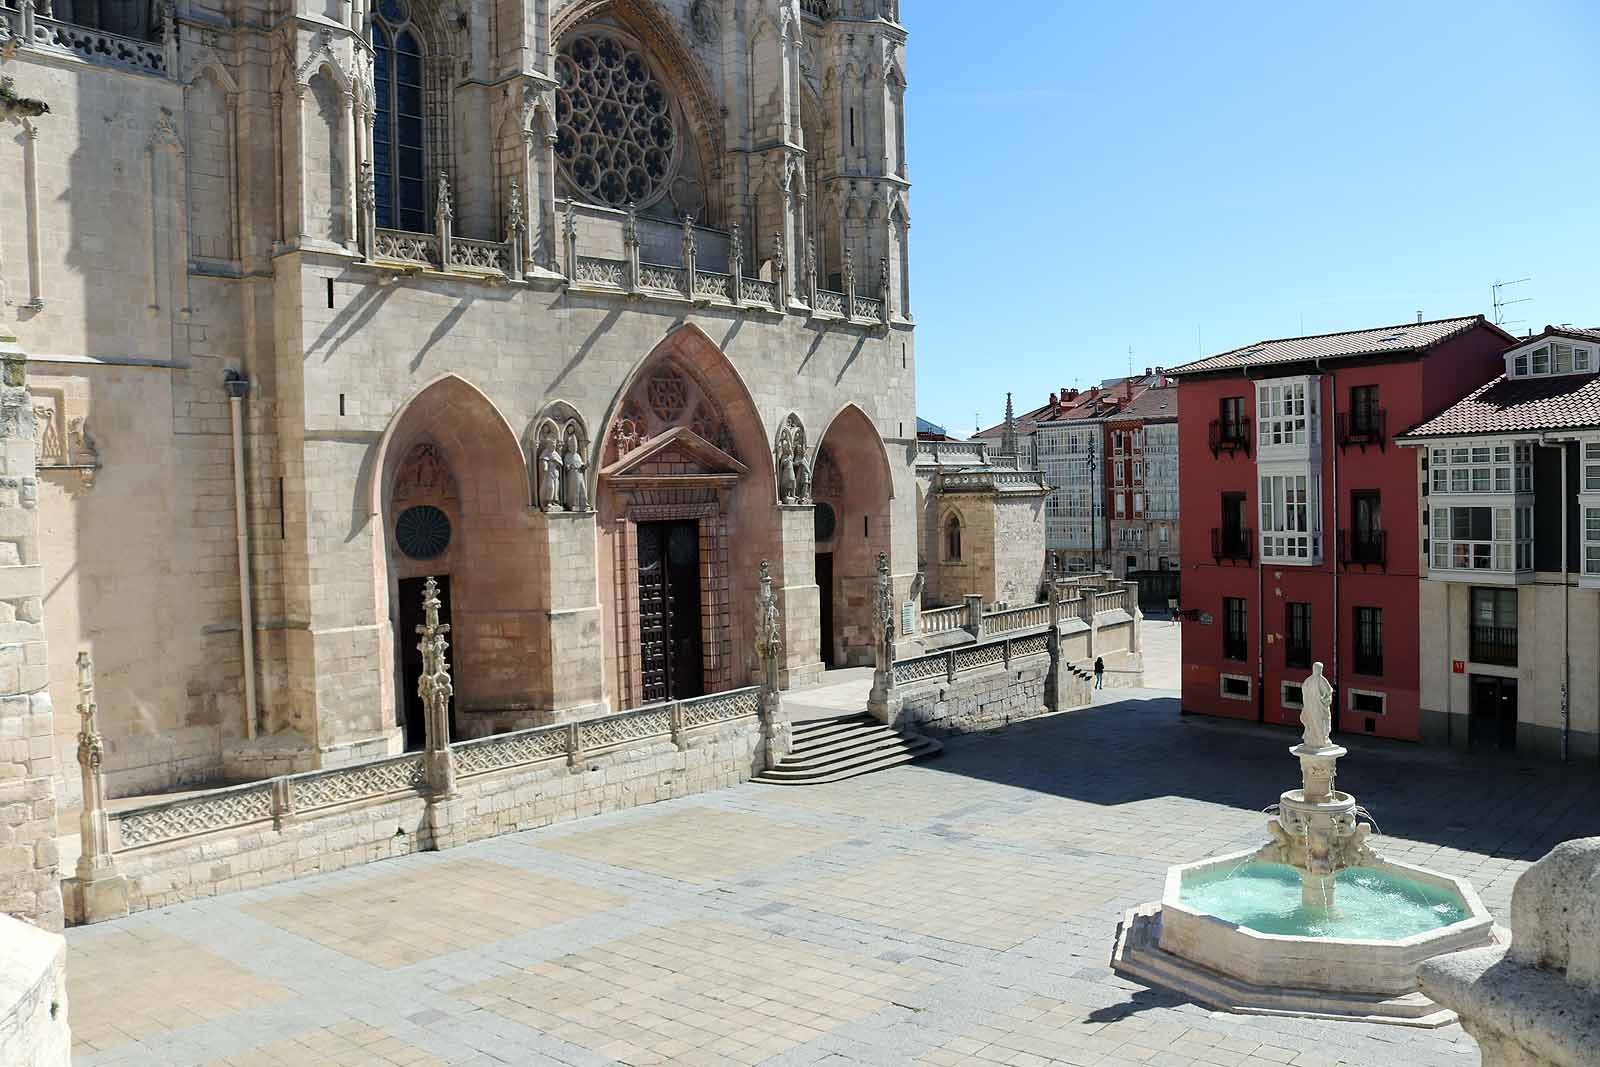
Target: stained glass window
[
  {"x": 615, "y": 133},
  {"x": 400, "y": 199}
]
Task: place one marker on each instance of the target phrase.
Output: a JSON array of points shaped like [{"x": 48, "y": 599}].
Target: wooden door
[{"x": 671, "y": 649}]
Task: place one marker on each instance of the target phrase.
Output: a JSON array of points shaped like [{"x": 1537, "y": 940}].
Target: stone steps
[{"x": 831, "y": 750}]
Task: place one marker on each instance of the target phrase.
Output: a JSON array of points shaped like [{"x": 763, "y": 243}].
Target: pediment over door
[{"x": 678, "y": 458}]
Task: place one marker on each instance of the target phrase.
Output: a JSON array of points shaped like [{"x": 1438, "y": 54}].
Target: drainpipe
[
  {"x": 1566, "y": 601},
  {"x": 238, "y": 387},
  {"x": 1333, "y": 423},
  {"x": 1261, "y": 571}
]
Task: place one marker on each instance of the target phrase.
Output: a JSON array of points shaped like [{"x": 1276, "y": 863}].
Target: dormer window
[{"x": 1556, "y": 357}]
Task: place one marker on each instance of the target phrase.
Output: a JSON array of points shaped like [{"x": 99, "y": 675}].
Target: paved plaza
[{"x": 955, "y": 911}]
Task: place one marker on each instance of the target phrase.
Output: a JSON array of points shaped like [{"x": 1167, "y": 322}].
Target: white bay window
[
  {"x": 1290, "y": 519},
  {"x": 1495, "y": 538}
]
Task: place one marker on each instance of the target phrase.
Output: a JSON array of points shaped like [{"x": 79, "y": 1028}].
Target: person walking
[{"x": 1099, "y": 673}]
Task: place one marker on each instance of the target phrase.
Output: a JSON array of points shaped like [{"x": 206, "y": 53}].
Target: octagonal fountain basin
[{"x": 1231, "y": 933}]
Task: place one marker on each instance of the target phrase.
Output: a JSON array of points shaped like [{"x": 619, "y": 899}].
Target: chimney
[
  {"x": 1127, "y": 388},
  {"x": 1094, "y": 390},
  {"x": 1148, "y": 371},
  {"x": 1072, "y": 395},
  {"x": 1052, "y": 400}
]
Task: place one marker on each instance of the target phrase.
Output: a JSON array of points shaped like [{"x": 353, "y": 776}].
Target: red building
[{"x": 1301, "y": 538}]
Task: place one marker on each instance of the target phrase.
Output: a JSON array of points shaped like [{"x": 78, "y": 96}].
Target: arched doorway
[
  {"x": 453, "y": 498},
  {"x": 686, "y": 505},
  {"x": 853, "y": 480}
]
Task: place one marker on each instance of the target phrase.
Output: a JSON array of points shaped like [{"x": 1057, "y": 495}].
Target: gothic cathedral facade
[{"x": 582, "y": 307}]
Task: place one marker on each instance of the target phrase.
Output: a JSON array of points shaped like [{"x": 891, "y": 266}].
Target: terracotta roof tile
[
  {"x": 1406, "y": 337},
  {"x": 1519, "y": 405}
]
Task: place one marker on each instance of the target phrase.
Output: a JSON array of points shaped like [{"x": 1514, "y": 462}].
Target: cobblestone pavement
[{"x": 955, "y": 911}]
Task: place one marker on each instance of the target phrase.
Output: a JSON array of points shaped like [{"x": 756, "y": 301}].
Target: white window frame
[
  {"x": 1249, "y": 686},
  {"x": 1480, "y": 466},
  {"x": 1138, "y": 505},
  {"x": 1507, "y": 550},
  {"x": 1287, "y": 413},
  {"x": 1289, "y": 513},
  {"x": 1121, "y": 505},
  {"x": 1119, "y": 471},
  {"x": 1549, "y": 357},
  {"x": 1350, "y": 701}
]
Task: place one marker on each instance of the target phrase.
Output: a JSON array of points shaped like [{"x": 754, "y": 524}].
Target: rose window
[{"x": 616, "y": 137}]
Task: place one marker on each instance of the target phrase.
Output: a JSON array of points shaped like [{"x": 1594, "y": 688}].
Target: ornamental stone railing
[
  {"x": 1023, "y": 618},
  {"x": 277, "y": 800},
  {"x": 955, "y": 453},
  {"x": 952, "y": 662},
  {"x": 943, "y": 620},
  {"x": 992, "y": 481},
  {"x": 591, "y": 270},
  {"x": 22, "y": 23},
  {"x": 402, "y": 246}
]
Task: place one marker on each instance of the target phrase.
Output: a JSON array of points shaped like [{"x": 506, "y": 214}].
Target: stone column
[
  {"x": 974, "y": 604},
  {"x": 98, "y": 892},
  {"x": 775, "y": 730},
  {"x": 801, "y": 663},
  {"x": 29, "y": 864},
  {"x": 574, "y": 653}
]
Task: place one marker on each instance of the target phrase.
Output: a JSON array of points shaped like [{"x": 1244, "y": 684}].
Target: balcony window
[
  {"x": 1120, "y": 505},
  {"x": 1369, "y": 641},
  {"x": 1235, "y": 633},
  {"x": 1138, "y": 504},
  {"x": 1591, "y": 467},
  {"x": 1119, "y": 472},
  {"x": 1494, "y": 627},
  {"x": 1483, "y": 538},
  {"x": 1591, "y": 541},
  {"x": 1138, "y": 472},
  {"x": 1233, "y": 418},
  {"x": 1289, "y": 518},
  {"x": 1541, "y": 360},
  {"x": 1485, "y": 468},
  {"x": 1286, "y": 413}
]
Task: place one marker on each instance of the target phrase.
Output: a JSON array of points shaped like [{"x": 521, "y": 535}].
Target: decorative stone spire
[
  {"x": 1008, "y": 437},
  {"x": 435, "y": 689}
]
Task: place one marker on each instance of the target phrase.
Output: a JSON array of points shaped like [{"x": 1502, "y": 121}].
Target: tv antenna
[{"x": 1501, "y": 303}]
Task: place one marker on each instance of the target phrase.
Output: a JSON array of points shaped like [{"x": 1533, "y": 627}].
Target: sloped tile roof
[
  {"x": 1406, "y": 337},
  {"x": 1519, "y": 405},
  {"x": 1152, "y": 404}
]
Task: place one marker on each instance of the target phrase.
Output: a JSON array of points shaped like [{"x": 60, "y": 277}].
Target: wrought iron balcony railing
[
  {"x": 1233, "y": 544},
  {"x": 1364, "y": 548},
  {"x": 1363, "y": 428},
  {"x": 1494, "y": 644},
  {"x": 1230, "y": 438}
]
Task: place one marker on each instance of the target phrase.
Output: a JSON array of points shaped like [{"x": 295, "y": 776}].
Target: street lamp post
[{"x": 1094, "y": 498}]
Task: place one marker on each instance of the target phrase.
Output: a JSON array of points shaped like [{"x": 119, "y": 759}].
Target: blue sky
[{"x": 1089, "y": 177}]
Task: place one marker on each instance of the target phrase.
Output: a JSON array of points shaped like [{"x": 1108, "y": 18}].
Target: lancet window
[{"x": 400, "y": 200}]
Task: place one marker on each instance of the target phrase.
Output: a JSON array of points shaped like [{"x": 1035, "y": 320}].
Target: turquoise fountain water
[{"x": 1370, "y": 904}]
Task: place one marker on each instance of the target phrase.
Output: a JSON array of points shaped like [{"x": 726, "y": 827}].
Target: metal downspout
[
  {"x": 1333, "y": 421},
  {"x": 238, "y": 388},
  {"x": 1566, "y": 605}
]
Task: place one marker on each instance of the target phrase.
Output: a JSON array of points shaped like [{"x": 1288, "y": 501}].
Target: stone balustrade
[
  {"x": 991, "y": 481},
  {"x": 948, "y": 664},
  {"x": 943, "y": 620},
  {"x": 22, "y": 23},
  {"x": 286, "y": 826},
  {"x": 952, "y": 453},
  {"x": 274, "y": 800},
  {"x": 1023, "y": 618}
]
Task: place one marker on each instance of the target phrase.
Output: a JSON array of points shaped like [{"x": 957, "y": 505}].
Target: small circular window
[
  {"x": 825, "y": 521},
  {"x": 422, "y": 532}
]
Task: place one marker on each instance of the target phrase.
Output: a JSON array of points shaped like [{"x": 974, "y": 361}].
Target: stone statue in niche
[
  {"x": 785, "y": 470},
  {"x": 575, "y": 483},
  {"x": 802, "y": 479},
  {"x": 794, "y": 473},
  {"x": 549, "y": 470}
]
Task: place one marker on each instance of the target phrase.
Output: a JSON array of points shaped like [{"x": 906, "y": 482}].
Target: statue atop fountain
[{"x": 1317, "y": 831}]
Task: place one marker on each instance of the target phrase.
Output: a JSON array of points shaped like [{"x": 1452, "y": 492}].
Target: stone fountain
[
  {"x": 1313, "y": 923},
  {"x": 1317, "y": 830}
]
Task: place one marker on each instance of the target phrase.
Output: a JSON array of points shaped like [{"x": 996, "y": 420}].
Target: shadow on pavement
[{"x": 1140, "y": 748}]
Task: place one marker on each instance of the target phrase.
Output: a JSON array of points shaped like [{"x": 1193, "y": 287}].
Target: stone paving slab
[{"x": 958, "y": 911}]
